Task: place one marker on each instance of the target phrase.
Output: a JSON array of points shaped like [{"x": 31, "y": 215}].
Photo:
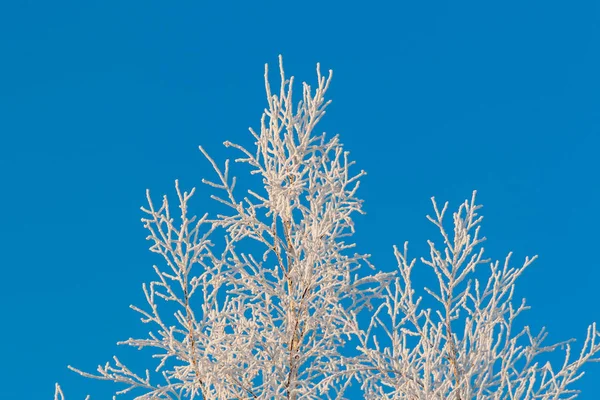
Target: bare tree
[{"x": 278, "y": 319}]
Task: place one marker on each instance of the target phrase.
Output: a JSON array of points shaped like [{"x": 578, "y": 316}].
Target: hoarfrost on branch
[{"x": 280, "y": 319}]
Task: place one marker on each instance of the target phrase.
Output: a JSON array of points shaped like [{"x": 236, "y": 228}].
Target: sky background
[{"x": 100, "y": 100}]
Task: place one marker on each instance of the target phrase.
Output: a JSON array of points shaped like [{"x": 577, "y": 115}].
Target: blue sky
[{"x": 100, "y": 100}]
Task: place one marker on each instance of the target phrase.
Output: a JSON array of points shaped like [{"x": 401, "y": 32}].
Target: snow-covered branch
[{"x": 263, "y": 300}]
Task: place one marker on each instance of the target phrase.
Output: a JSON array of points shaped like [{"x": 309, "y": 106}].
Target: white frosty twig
[{"x": 262, "y": 301}]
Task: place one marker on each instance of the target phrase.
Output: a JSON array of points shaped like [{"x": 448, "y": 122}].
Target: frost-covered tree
[{"x": 263, "y": 301}]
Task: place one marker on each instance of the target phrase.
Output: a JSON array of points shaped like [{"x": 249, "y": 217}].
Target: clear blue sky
[{"x": 100, "y": 100}]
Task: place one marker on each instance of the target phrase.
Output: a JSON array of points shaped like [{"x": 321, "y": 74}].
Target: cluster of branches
[{"x": 280, "y": 320}]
